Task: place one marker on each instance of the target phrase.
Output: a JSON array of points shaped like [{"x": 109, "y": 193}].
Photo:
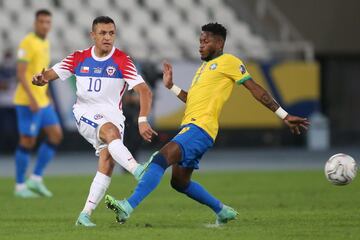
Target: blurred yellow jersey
[
  {"x": 35, "y": 52},
  {"x": 210, "y": 89}
]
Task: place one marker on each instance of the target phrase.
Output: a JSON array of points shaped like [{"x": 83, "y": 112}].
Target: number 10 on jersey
[{"x": 94, "y": 85}]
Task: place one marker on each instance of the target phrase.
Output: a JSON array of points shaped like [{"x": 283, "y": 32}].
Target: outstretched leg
[
  {"x": 181, "y": 182},
  {"x": 185, "y": 149},
  {"x": 110, "y": 134},
  {"x": 167, "y": 156}
]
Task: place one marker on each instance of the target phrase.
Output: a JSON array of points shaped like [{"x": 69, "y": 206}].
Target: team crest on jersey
[
  {"x": 98, "y": 116},
  {"x": 110, "y": 70},
  {"x": 242, "y": 69},
  {"x": 213, "y": 66}
]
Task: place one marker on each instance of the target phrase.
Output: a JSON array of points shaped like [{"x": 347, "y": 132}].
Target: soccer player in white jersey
[{"x": 103, "y": 73}]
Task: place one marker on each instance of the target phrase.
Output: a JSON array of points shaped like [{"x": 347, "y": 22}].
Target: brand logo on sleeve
[{"x": 110, "y": 70}]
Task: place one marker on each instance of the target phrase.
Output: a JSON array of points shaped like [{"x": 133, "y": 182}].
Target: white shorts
[{"x": 90, "y": 122}]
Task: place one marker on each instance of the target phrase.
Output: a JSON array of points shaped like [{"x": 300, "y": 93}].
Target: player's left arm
[
  {"x": 295, "y": 123},
  {"x": 145, "y": 96}
]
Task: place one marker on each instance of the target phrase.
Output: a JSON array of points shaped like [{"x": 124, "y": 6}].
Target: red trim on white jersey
[
  {"x": 129, "y": 69},
  {"x": 121, "y": 95},
  {"x": 72, "y": 61}
]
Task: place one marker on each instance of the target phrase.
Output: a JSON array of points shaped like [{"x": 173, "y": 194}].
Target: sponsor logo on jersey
[
  {"x": 110, "y": 70},
  {"x": 242, "y": 69},
  {"x": 97, "y": 70},
  {"x": 84, "y": 69},
  {"x": 213, "y": 66},
  {"x": 98, "y": 116}
]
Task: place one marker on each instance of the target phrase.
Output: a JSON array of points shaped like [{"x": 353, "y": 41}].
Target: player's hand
[
  {"x": 167, "y": 75},
  {"x": 39, "y": 79},
  {"x": 146, "y": 131},
  {"x": 296, "y": 123},
  {"x": 34, "y": 106}
]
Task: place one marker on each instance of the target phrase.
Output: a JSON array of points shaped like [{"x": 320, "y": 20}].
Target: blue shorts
[
  {"x": 194, "y": 142},
  {"x": 29, "y": 123}
]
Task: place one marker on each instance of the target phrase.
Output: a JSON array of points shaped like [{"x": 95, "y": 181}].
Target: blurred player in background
[
  {"x": 210, "y": 89},
  {"x": 103, "y": 73},
  {"x": 34, "y": 110}
]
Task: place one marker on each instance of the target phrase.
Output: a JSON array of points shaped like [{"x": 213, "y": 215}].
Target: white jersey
[
  {"x": 100, "y": 85},
  {"x": 100, "y": 82}
]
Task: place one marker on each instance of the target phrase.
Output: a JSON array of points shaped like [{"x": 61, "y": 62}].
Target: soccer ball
[{"x": 340, "y": 169}]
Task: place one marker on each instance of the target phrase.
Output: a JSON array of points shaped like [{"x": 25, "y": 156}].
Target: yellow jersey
[
  {"x": 210, "y": 89},
  {"x": 35, "y": 52}
]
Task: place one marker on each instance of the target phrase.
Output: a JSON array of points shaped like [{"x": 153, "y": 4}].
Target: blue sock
[
  {"x": 46, "y": 153},
  {"x": 22, "y": 158},
  {"x": 149, "y": 181},
  {"x": 199, "y": 194}
]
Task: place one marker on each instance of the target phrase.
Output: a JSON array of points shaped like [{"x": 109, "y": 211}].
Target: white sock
[
  {"x": 36, "y": 178},
  {"x": 121, "y": 155},
  {"x": 20, "y": 186},
  {"x": 98, "y": 188}
]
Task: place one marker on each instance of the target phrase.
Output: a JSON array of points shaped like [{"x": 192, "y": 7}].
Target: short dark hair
[
  {"x": 102, "y": 19},
  {"x": 42, "y": 12},
  {"x": 216, "y": 29}
]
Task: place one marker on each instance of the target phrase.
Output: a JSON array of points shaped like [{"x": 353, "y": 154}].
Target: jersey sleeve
[
  {"x": 25, "y": 51},
  {"x": 130, "y": 74},
  {"x": 65, "y": 68},
  {"x": 236, "y": 70}
]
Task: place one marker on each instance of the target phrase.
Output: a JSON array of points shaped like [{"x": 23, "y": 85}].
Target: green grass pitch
[{"x": 271, "y": 205}]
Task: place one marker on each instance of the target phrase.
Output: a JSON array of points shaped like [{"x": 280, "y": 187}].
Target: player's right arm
[
  {"x": 44, "y": 77},
  {"x": 25, "y": 55},
  {"x": 169, "y": 84},
  {"x": 20, "y": 74},
  {"x": 62, "y": 70}
]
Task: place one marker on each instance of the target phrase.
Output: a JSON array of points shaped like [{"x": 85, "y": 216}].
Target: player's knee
[
  {"x": 160, "y": 160},
  {"x": 171, "y": 152},
  {"x": 179, "y": 185},
  {"x": 27, "y": 142},
  {"x": 56, "y": 138},
  {"x": 112, "y": 134},
  {"x": 109, "y": 133}
]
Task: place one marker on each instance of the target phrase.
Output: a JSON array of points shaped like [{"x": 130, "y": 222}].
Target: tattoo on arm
[{"x": 269, "y": 102}]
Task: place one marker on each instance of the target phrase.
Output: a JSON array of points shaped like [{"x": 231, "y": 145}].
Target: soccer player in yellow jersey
[
  {"x": 34, "y": 110},
  {"x": 210, "y": 88}
]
